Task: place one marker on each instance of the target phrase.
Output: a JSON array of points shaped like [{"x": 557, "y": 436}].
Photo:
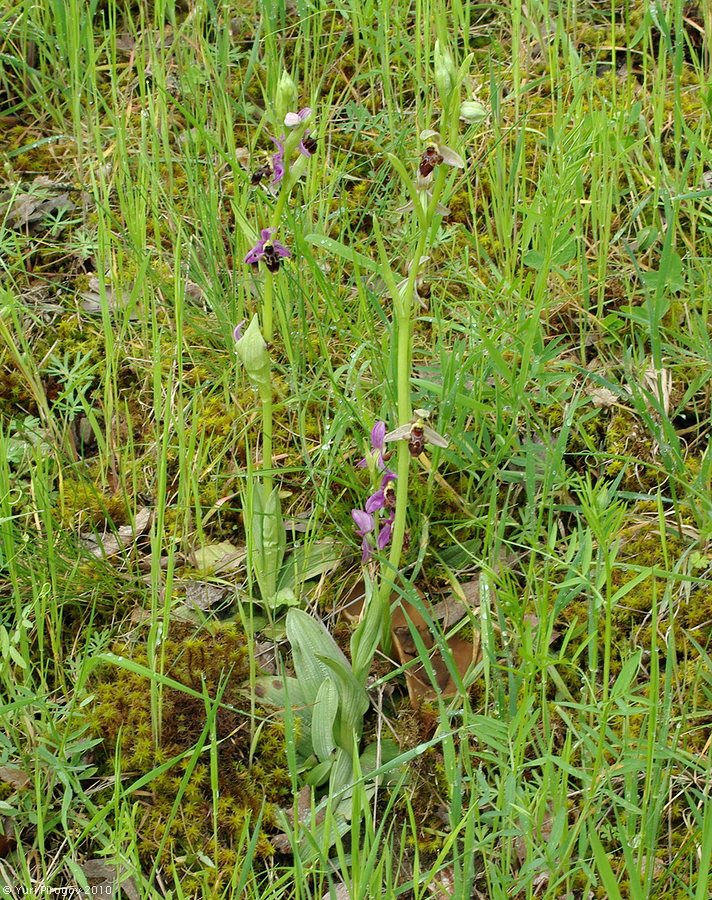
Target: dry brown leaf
[
  {"x": 221, "y": 558},
  {"x": 14, "y": 776},
  {"x": 405, "y": 618},
  {"x": 602, "y": 397},
  {"x": 8, "y": 844},
  {"x": 342, "y": 893},
  {"x": 101, "y": 876},
  {"x": 91, "y": 298},
  {"x": 30, "y": 208},
  {"x": 106, "y": 545},
  {"x": 464, "y": 654},
  {"x": 304, "y": 806},
  {"x": 266, "y": 656},
  {"x": 443, "y": 884},
  {"x": 125, "y": 42},
  {"x": 659, "y": 383},
  {"x": 281, "y": 843},
  {"x": 449, "y": 611},
  {"x": 203, "y": 595}
]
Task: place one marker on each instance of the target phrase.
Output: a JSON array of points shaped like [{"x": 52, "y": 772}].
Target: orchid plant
[
  {"x": 262, "y": 506},
  {"x": 382, "y": 521}
]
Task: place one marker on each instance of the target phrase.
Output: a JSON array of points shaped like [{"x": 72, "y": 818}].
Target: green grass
[{"x": 564, "y": 350}]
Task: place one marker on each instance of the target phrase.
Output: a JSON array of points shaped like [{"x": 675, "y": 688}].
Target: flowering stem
[
  {"x": 268, "y": 299},
  {"x": 267, "y": 442},
  {"x": 404, "y": 327},
  {"x": 267, "y": 304}
]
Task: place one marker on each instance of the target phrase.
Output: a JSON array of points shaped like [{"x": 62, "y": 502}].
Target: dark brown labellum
[
  {"x": 430, "y": 158},
  {"x": 416, "y": 441},
  {"x": 259, "y": 174},
  {"x": 272, "y": 259}
]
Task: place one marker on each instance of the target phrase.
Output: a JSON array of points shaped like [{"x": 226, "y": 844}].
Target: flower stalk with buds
[
  {"x": 294, "y": 145},
  {"x": 425, "y": 190}
]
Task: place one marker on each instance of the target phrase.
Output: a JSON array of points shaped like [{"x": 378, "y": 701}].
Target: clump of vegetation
[
  {"x": 494, "y": 213},
  {"x": 220, "y": 796}
]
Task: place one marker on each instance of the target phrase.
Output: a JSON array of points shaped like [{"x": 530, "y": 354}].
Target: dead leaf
[
  {"x": 602, "y": 397},
  {"x": 242, "y": 154},
  {"x": 204, "y": 595},
  {"x": 265, "y": 656},
  {"x": 31, "y": 207},
  {"x": 222, "y": 558},
  {"x": 109, "y": 544},
  {"x": 450, "y": 610},
  {"x": 342, "y": 893},
  {"x": 405, "y": 618},
  {"x": 281, "y": 843},
  {"x": 13, "y": 776},
  {"x": 659, "y": 383},
  {"x": 101, "y": 876},
  {"x": 7, "y": 845},
  {"x": 91, "y": 301},
  {"x": 463, "y": 653},
  {"x": 443, "y": 884},
  {"x": 304, "y": 806},
  {"x": 125, "y": 42}
]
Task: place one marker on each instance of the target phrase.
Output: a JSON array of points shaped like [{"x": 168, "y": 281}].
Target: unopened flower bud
[
  {"x": 473, "y": 112},
  {"x": 445, "y": 71},
  {"x": 285, "y": 98},
  {"x": 252, "y": 350}
]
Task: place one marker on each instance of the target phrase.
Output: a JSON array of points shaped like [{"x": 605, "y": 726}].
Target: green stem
[
  {"x": 404, "y": 326},
  {"x": 267, "y": 461},
  {"x": 267, "y": 308},
  {"x": 405, "y": 414},
  {"x": 268, "y": 299}
]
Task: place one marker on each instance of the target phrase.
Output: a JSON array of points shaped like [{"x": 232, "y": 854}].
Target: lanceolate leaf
[
  {"x": 310, "y": 640},
  {"x": 352, "y": 706},
  {"x": 323, "y": 719},
  {"x": 348, "y": 253}
]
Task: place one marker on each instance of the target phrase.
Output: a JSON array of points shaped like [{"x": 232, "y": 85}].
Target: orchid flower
[
  {"x": 271, "y": 252},
  {"x": 378, "y": 432},
  {"x": 364, "y": 526},
  {"x": 278, "y": 160},
  {"x": 384, "y": 497}
]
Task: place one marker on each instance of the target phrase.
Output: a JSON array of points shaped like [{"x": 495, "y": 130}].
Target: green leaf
[
  {"x": 309, "y": 561},
  {"x": 274, "y": 690},
  {"x": 367, "y": 634},
  {"x": 342, "y": 776},
  {"x": 604, "y": 867},
  {"x": 409, "y": 185},
  {"x": 323, "y": 719},
  {"x": 280, "y": 691},
  {"x": 319, "y": 773},
  {"x": 369, "y": 759},
  {"x": 669, "y": 275},
  {"x": 353, "y": 703},
  {"x": 319, "y": 839},
  {"x": 269, "y": 540},
  {"x": 311, "y": 644},
  {"x": 628, "y": 672},
  {"x": 347, "y": 253},
  {"x": 285, "y": 596}
]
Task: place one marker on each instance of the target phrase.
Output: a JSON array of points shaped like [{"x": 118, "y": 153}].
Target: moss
[
  {"x": 84, "y": 505},
  {"x": 251, "y": 767},
  {"x": 216, "y": 419},
  {"x": 40, "y": 157}
]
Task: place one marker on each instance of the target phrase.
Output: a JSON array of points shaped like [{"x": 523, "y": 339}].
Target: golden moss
[
  {"x": 84, "y": 505},
  {"x": 251, "y": 768}
]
